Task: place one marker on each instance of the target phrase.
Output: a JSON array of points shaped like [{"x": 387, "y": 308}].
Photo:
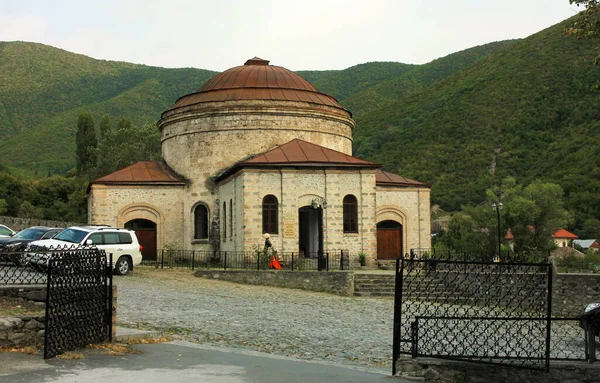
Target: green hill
[
  {"x": 529, "y": 110},
  {"x": 43, "y": 90}
]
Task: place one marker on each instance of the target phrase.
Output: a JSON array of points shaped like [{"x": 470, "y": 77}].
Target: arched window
[
  {"x": 231, "y": 218},
  {"x": 350, "y": 214},
  {"x": 224, "y": 221},
  {"x": 269, "y": 211},
  {"x": 201, "y": 222}
]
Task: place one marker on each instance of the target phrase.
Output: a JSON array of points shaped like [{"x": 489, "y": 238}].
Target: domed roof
[{"x": 257, "y": 80}]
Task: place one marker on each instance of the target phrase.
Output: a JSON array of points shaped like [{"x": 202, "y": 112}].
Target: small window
[
  {"x": 50, "y": 234},
  {"x": 125, "y": 238},
  {"x": 201, "y": 222},
  {"x": 111, "y": 238},
  {"x": 224, "y": 221},
  {"x": 96, "y": 238},
  {"x": 269, "y": 210},
  {"x": 231, "y": 218},
  {"x": 350, "y": 214},
  {"x": 5, "y": 231}
]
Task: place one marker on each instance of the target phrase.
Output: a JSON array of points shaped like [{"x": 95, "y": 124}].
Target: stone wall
[
  {"x": 341, "y": 283},
  {"x": 33, "y": 294},
  {"x": 115, "y": 205},
  {"x": 295, "y": 189},
  {"x": 572, "y": 292},
  {"x": 24, "y": 330},
  {"x": 29, "y": 330},
  {"x": 411, "y": 208},
  {"x": 17, "y": 224}
]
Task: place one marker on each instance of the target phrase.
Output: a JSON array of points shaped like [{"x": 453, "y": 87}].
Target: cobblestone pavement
[{"x": 296, "y": 323}]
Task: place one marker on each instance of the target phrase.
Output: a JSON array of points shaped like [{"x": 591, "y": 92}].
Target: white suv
[{"x": 121, "y": 243}]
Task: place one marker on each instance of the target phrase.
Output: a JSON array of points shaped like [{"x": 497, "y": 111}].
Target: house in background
[
  {"x": 587, "y": 244},
  {"x": 564, "y": 238},
  {"x": 561, "y": 237}
]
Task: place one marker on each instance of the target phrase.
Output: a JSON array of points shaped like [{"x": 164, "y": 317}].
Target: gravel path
[{"x": 296, "y": 323}]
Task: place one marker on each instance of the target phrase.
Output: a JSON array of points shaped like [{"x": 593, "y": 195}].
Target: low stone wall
[
  {"x": 572, "y": 292},
  {"x": 338, "y": 282},
  {"x": 35, "y": 294},
  {"x": 22, "y": 330},
  {"x": 27, "y": 330},
  {"x": 17, "y": 224}
]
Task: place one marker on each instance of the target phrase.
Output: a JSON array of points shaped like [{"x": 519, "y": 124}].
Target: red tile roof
[
  {"x": 300, "y": 152},
  {"x": 257, "y": 80},
  {"x": 384, "y": 178},
  {"x": 562, "y": 233},
  {"x": 143, "y": 172}
]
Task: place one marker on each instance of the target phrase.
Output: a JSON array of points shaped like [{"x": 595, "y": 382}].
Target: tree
[
  {"x": 127, "y": 145},
  {"x": 125, "y": 123},
  {"x": 588, "y": 24},
  {"x": 105, "y": 126},
  {"x": 27, "y": 210},
  {"x": 533, "y": 213},
  {"x": 86, "y": 143}
]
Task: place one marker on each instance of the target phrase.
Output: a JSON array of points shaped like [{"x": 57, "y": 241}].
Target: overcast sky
[{"x": 296, "y": 34}]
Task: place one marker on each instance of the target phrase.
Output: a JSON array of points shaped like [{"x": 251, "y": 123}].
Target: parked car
[
  {"x": 18, "y": 242},
  {"x": 121, "y": 243},
  {"x": 6, "y": 231},
  {"x": 591, "y": 316}
]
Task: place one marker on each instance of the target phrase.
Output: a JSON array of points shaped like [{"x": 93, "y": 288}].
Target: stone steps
[
  {"x": 383, "y": 285},
  {"x": 376, "y": 285}
]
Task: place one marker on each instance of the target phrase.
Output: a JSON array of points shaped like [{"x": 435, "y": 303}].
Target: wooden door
[
  {"x": 147, "y": 238},
  {"x": 389, "y": 241}
]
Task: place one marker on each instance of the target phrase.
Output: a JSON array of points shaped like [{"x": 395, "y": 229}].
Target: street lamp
[{"x": 498, "y": 207}]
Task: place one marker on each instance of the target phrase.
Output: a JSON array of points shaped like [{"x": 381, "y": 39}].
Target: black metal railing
[
  {"x": 489, "y": 312},
  {"x": 78, "y": 301},
  {"x": 250, "y": 260},
  {"x": 453, "y": 255},
  {"x": 16, "y": 269}
]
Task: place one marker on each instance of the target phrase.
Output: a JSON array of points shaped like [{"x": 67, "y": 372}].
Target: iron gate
[
  {"x": 489, "y": 312},
  {"x": 79, "y": 300}
]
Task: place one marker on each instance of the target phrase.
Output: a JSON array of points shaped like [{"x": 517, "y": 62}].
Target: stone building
[{"x": 259, "y": 150}]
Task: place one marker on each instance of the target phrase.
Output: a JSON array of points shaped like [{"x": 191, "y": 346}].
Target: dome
[{"x": 257, "y": 80}]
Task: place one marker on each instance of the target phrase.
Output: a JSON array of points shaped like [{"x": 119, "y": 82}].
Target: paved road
[
  {"x": 181, "y": 362},
  {"x": 301, "y": 324}
]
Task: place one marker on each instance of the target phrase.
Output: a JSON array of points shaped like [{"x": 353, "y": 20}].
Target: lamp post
[{"x": 498, "y": 207}]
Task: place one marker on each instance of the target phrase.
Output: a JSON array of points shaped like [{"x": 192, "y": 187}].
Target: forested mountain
[
  {"x": 525, "y": 108},
  {"x": 530, "y": 110},
  {"x": 43, "y": 90}
]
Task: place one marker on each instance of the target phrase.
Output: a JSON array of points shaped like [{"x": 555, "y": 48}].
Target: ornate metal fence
[
  {"x": 79, "y": 300},
  {"x": 489, "y": 312},
  {"x": 250, "y": 260},
  {"x": 15, "y": 271}
]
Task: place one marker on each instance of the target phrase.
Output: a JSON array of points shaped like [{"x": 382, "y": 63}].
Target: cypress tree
[{"x": 86, "y": 143}]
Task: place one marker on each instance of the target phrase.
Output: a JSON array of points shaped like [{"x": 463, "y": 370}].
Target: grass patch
[
  {"x": 105, "y": 348},
  {"x": 11, "y": 307},
  {"x": 31, "y": 350}
]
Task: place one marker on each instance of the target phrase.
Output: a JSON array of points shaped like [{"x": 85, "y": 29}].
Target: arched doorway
[
  {"x": 145, "y": 231},
  {"x": 389, "y": 240},
  {"x": 310, "y": 224}
]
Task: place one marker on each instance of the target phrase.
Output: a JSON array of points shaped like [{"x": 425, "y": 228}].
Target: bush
[
  {"x": 362, "y": 258},
  {"x": 590, "y": 262}
]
